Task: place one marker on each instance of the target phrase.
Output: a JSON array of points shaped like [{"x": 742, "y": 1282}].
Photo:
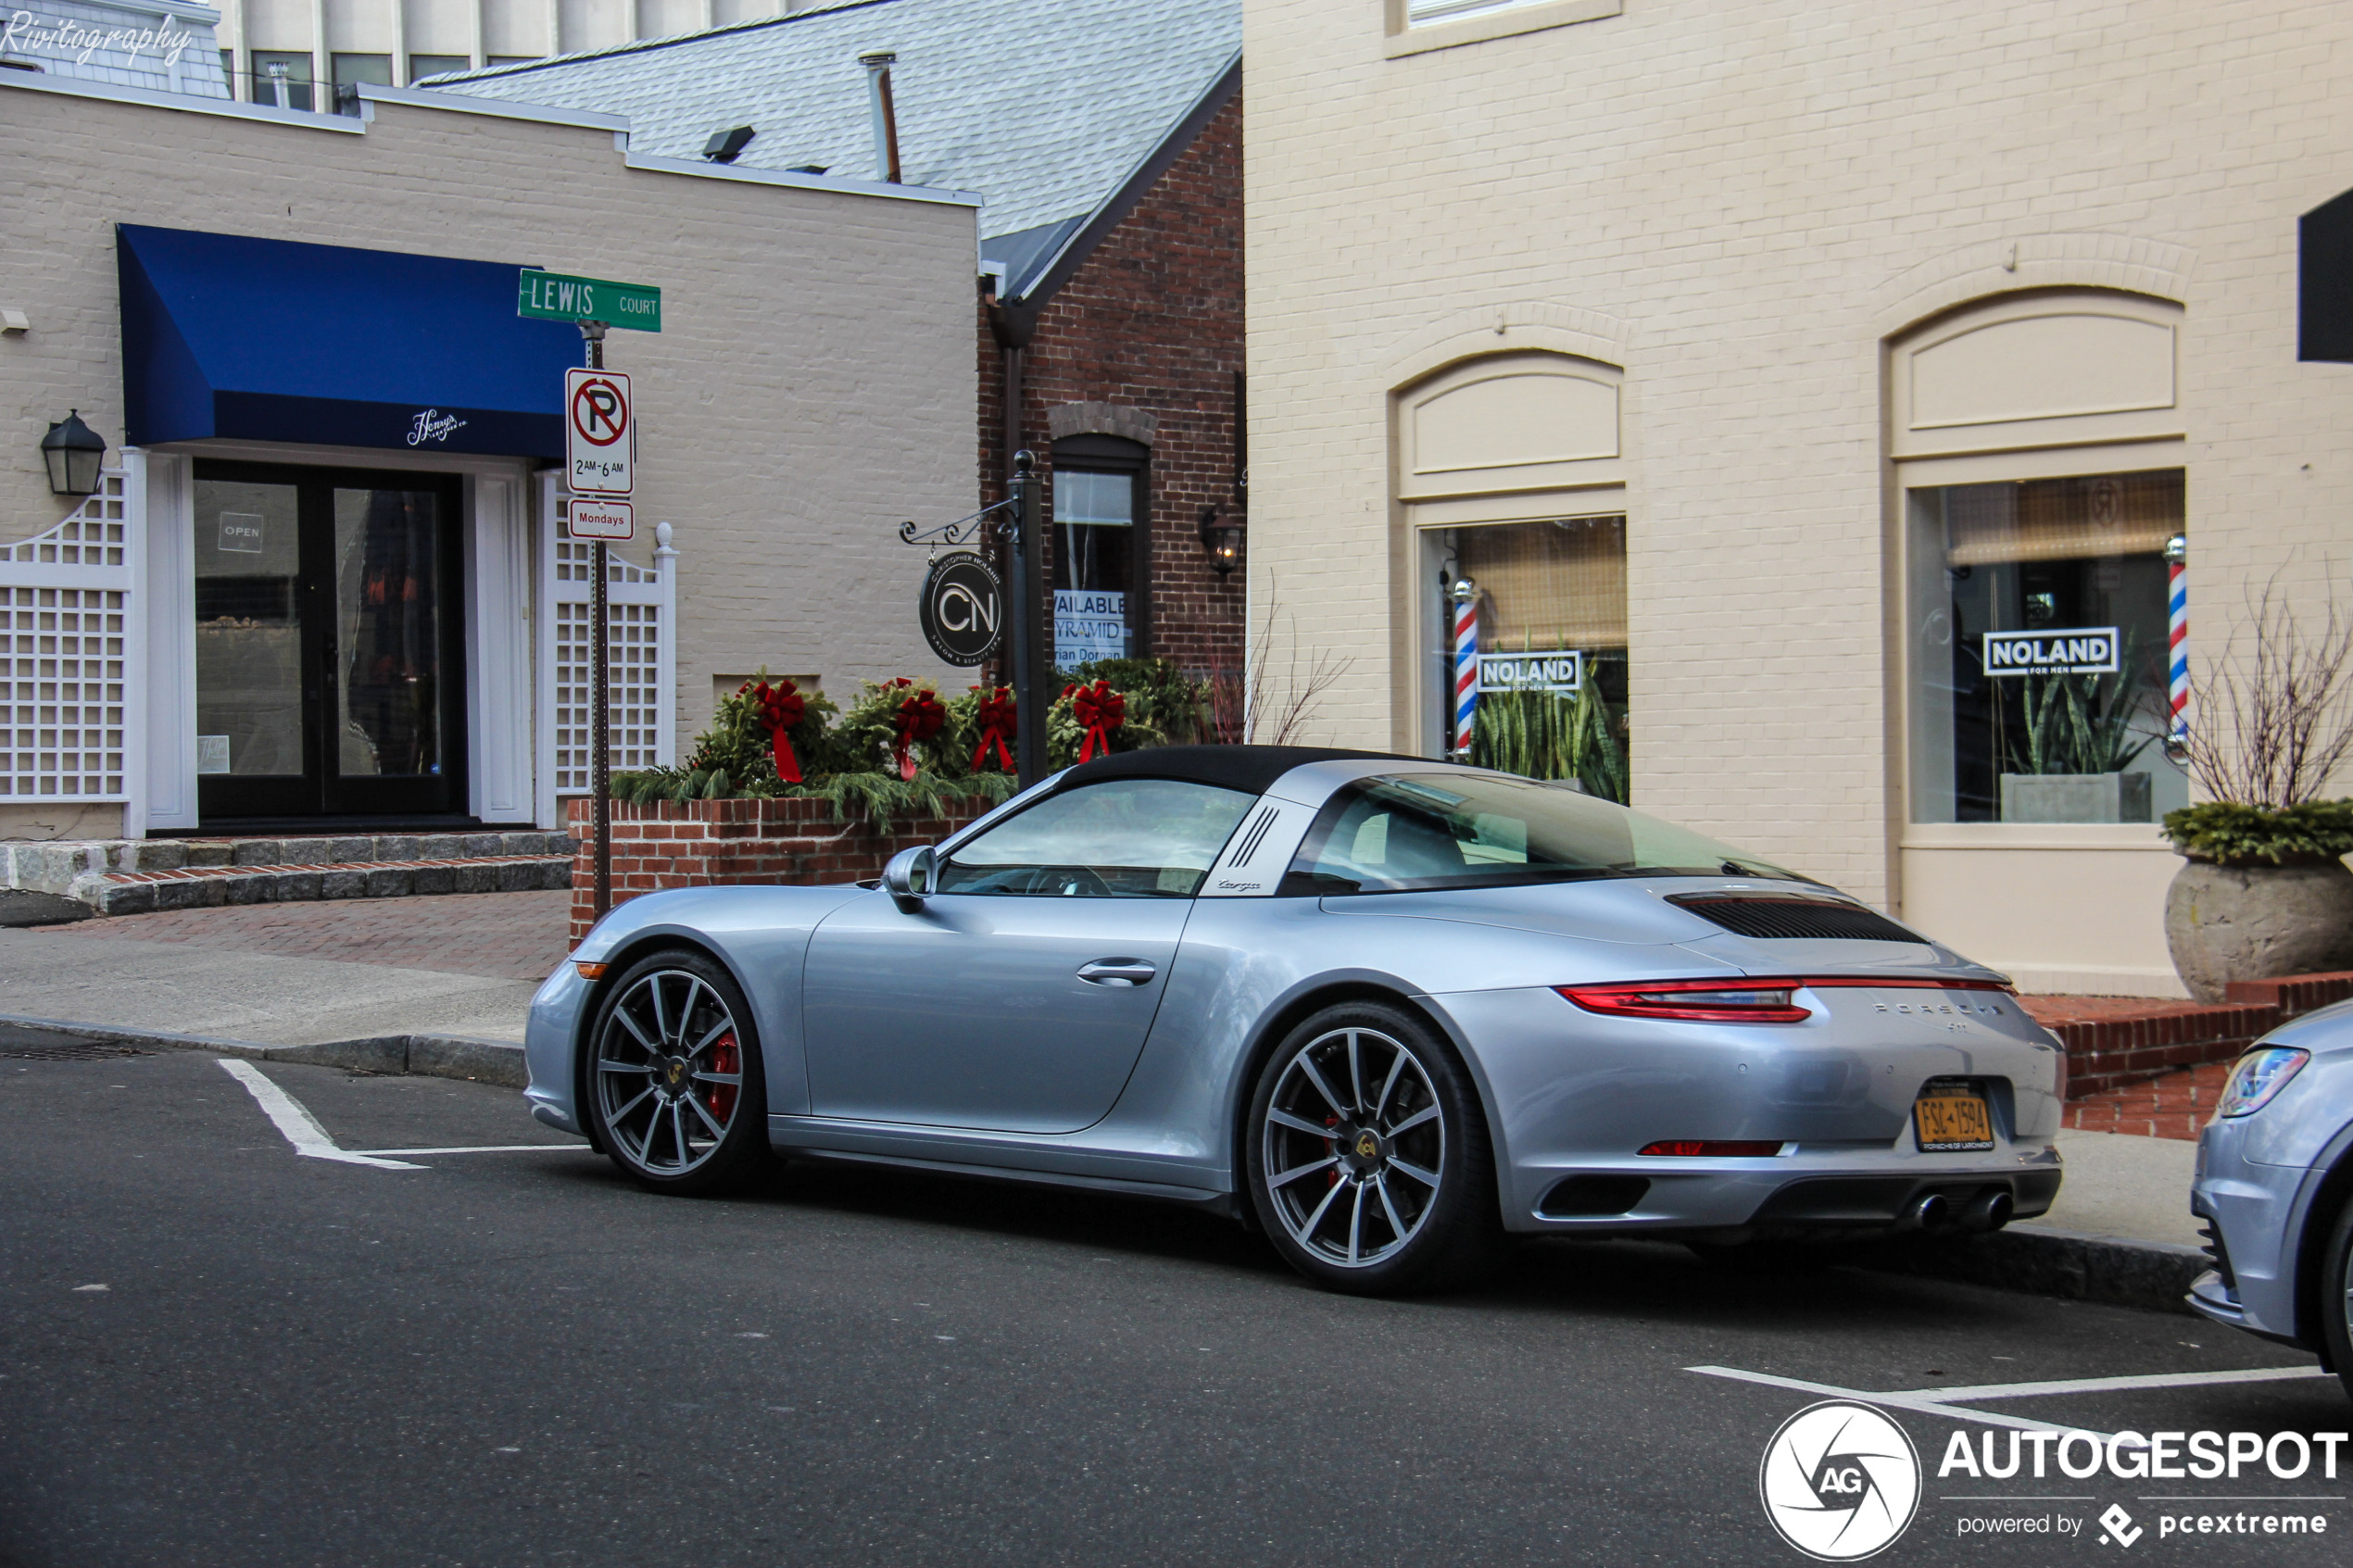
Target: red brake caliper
[
  {"x": 724, "y": 1058},
  {"x": 1332, "y": 1177}
]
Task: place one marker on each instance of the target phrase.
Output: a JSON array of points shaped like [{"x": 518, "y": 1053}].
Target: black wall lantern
[
  {"x": 1221, "y": 535},
  {"x": 73, "y": 452}
]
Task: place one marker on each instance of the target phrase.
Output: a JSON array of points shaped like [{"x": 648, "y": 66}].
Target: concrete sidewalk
[{"x": 85, "y": 975}]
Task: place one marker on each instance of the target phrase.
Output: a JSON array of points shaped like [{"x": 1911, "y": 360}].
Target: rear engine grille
[{"x": 1795, "y": 918}]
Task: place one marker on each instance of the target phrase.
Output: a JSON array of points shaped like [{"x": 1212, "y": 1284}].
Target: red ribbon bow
[
  {"x": 919, "y": 718},
  {"x": 1102, "y": 710},
  {"x": 999, "y": 723},
  {"x": 780, "y": 707}
]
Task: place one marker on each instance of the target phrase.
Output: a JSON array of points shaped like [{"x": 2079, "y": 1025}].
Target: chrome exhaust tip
[
  {"x": 1988, "y": 1211},
  {"x": 1929, "y": 1212}
]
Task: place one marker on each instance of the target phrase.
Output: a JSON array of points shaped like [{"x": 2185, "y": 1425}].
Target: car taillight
[
  {"x": 1711, "y": 1148},
  {"x": 1742, "y": 1001},
  {"x": 1699, "y": 1001}
]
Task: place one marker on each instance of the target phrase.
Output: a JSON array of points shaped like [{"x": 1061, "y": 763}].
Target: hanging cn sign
[{"x": 961, "y": 607}]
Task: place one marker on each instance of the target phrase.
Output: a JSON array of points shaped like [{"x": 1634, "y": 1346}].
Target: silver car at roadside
[
  {"x": 1385, "y": 1009},
  {"x": 2274, "y": 1185}
]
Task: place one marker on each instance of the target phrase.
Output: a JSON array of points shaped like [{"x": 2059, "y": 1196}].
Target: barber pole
[
  {"x": 2176, "y": 601},
  {"x": 1466, "y": 664}
]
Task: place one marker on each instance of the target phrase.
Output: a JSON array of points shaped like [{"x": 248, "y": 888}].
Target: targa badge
[{"x": 1839, "y": 1481}]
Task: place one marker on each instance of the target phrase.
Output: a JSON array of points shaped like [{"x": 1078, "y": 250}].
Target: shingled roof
[{"x": 1056, "y": 112}]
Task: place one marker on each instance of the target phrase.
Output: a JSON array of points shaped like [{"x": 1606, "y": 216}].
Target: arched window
[
  {"x": 1510, "y": 473},
  {"x": 2038, "y": 442}
]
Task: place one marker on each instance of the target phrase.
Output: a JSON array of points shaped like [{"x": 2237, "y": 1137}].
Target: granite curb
[
  {"x": 431, "y": 1056},
  {"x": 2111, "y": 1270}
]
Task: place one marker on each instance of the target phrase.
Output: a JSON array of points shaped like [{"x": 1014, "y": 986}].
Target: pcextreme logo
[{"x": 1839, "y": 1481}]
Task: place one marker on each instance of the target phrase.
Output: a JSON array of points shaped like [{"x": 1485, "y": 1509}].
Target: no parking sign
[{"x": 599, "y": 431}]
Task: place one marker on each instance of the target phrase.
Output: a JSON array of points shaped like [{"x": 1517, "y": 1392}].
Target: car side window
[{"x": 1123, "y": 838}]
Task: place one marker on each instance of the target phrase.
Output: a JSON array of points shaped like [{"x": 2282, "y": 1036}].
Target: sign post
[
  {"x": 1029, "y": 736},
  {"x": 601, "y": 449}
]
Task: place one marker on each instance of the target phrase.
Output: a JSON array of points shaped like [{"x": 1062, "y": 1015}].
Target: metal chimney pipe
[{"x": 884, "y": 116}]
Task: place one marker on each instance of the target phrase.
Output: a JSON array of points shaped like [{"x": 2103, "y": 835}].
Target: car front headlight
[{"x": 2258, "y": 1076}]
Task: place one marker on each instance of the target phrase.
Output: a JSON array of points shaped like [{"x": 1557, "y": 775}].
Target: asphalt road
[{"x": 218, "y": 1351}]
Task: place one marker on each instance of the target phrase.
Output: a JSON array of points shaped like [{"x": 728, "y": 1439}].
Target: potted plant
[
  {"x": 2264, "y": 890},
  {"x": 2078, "y": 739}
]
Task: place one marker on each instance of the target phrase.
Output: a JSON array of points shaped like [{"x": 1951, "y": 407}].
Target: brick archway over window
[{"x": 1065, "y": 419}]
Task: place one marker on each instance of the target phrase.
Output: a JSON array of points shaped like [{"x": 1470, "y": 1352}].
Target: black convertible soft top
[{"x": 1247, "y": 768}]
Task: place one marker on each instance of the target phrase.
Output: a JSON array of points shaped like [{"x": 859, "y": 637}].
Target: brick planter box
[
  {"x": 732, "y": 843},
  {"x": 2113, "y": 1041}
]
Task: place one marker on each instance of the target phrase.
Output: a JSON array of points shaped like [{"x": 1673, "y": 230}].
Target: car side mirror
[{"x": 909, "y": 876}]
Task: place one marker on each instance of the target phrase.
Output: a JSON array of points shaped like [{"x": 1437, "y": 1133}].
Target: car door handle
[{"x": 1117, "y": 971}]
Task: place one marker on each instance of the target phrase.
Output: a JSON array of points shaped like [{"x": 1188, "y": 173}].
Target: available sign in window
[{"x": 1094, "y": 565}]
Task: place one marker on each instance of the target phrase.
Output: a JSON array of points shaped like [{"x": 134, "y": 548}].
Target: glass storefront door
[{"x": 330, "y": 652}]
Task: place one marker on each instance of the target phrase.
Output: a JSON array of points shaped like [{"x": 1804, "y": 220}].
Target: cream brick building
[
  {"x": 811, "y": 386},
  {"x": 1882, "y": 326}
]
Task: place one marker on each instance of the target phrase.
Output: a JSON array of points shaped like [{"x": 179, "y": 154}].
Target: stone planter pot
[
  {"x": 2257, "y": 922},
  {"x": 2075, "y": 797}
]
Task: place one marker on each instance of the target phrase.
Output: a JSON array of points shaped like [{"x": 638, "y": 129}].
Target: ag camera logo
[{"x": 1839, "y": 1481}]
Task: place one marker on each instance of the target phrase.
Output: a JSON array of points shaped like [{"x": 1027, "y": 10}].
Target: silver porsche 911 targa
[{"x": 1387, "y": 1009}]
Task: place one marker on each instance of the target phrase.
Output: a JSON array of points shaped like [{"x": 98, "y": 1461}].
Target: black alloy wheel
[
  {"x": 1369, "y": 1161},
  {"x": 2337, "y": 1296},
  {"x": 675, "y": 1082}
]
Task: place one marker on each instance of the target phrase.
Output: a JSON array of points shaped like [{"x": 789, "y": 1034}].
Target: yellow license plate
[{"x": 1947, "y": 1120}]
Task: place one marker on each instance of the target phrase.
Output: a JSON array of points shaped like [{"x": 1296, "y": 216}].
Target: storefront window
[
  {"x": 1550, "y": 699},
  {"x": 2038, "y": 626},
  {"x": 1094, "y": 565}
]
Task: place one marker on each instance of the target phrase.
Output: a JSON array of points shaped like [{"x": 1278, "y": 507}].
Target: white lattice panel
[
  {"x": 65, "y": 603},
  {"x": 639, "y": 687}
]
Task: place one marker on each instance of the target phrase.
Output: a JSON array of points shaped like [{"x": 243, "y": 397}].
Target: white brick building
[
  {"x": 326, "y": 576},
  {"x": 1791, "y": 350}
]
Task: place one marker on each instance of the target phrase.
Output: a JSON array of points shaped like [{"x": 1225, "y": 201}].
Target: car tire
[
  {"x": 2337, "y": 1296},
  {"x": 675, "y": 1095},
  {"x": 1379, "y": 1181}
]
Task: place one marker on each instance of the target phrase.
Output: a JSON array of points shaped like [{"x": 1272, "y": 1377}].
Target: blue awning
[{"x": 268, "y": 339}]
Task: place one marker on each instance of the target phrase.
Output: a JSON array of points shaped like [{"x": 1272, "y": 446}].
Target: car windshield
[{"x": 1411, "y": 831}]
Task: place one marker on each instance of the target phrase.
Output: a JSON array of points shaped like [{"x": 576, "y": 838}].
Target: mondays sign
[{"x": 2082, "y": 650}]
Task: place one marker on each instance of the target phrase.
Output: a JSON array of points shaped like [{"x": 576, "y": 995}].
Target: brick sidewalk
[
  {"x": 499, "y": 936},
  {"x": 2175, "y": 1106}
]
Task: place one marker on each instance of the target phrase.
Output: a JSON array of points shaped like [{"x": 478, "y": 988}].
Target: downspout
[{"x": 1013, "y": 325}]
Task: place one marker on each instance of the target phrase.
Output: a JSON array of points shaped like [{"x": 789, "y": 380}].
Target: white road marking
[
  {"x": 1898, "y": 1401},
  {"x": 301, "y": 1128},
  {"x": 489, "y": 1148},
  {"x": 2109, "y": 1384},
  {"x": 1942, "y": 1401}
]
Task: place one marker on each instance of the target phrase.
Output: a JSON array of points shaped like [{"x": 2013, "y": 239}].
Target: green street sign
[{"x": 555, "y": 297}]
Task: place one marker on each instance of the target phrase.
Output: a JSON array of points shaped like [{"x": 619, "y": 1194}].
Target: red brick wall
[
  {"x": 730, "y": 843},
  {"x": 1153, "y": 319},
  {"x": 2112, "y": 1042}
]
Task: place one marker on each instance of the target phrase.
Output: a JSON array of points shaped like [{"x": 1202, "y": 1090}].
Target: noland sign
[
  {"x": 1562, "y": 671},
  {"x": 598, "y": 441},
  {"x": 555, "y": 297},
  {"x": 2082, "y": 650},
  {"x": 594, "y": 518},
  {"x": 963, "y": 608}
]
